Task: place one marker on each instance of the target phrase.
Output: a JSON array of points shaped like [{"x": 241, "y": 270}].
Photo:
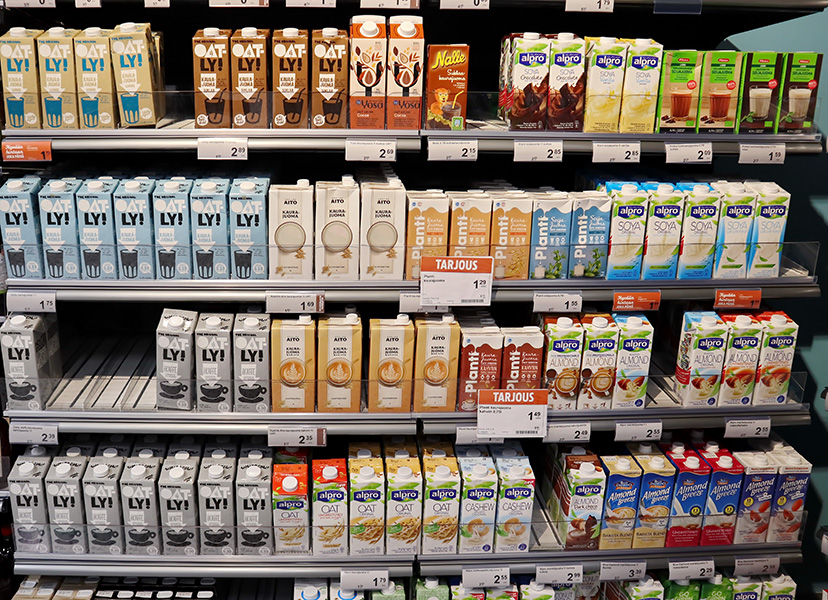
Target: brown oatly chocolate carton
[
  {"x": 290, "y": 78},
  {"x": 329, "y": 82},
  {"x": 211, "y": 77},
  {"x": 249, "y": 68},
  {"x": 447, "y": 82}
]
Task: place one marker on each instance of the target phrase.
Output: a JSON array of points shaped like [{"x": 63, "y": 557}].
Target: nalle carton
[
  {"x": 800, "y": 91},
  {"x": 770, "y": 220},
  {"x": 21, "y": 84},
  {"x": 620, "y": 502},
  {"x": 135, "y": 65},
  {"x": 700, "y": 359},
  {"x": 567, "y": 83},
  {"x": 641, "y": 83},
  {"x": 28, "y": 503},
  {"x": 471, "y": 218},
  {"x": 134, "y": 229},
  {"x": 58, "y": 95},
  {"x": 337, "y": 229},
  {"x": 290, "y": 238},
  {"x": 366, "y": 506},
  {"x": 632, "y": 367},
  {"x": 719, "y": 91},
  {"x": 773, "y": 375},
  {"x": 291, "y": 69},
  {"x": 391, "y": 364},
  {"x": 20, "y": 225},
  {"x": 605, "y": 58},
  {"x": 329, "y": 78},
  {"x": 58, "y": 220},
  {"x": 404, "y": 85},
  {"x": 787, "y": 506},
  {"x": 428, "y": 230},
  {"x": 722, "y": 500},
  {"x": 435, "y": 364},
  {"x": 515, "y": 503},
  {"x": 213, "y": 362},
  {"x": 738, "y": 207},
  {"x": 64, "y": 494},
  {"x": 698, "y": 233},
  {"x": 446, "y": 86},
  {"x": 339, "y": 364},
  {"x": 291, "y": 508},
  {"x": 678, "y": 102},
  {"x": 178, "y": 504},
  {"x": 478, "y": 505},
  {"x": 744, "y": 342},
  {"x": 251, "y": 363},
  {"x": 217, "y": 506},
  {"x": 254, "y": 510},
  {"x": 293, "y": 364},
  {"x": 208, "y": 215},
  {"x": 529, "y": 82},
  {"x": 382, "y": 231},
  {"x": 96, "y": 229},
  {"x": 562, "y": 368},
  {"x": 249, "y": 68},
  {"x": 663, "y": 233},
  {"x": 658, "y": 477},
  {"x": 368, "y": 62},
  {"x": 598, "y": 362},
  {"x": 102, "y": 500},
  {"x": 481, "y": 351},
  {"x": 211, "y": 78},
  {"x": 171, "y": 218},
  {"x": 511, "y": 234},
  {"x": 754, "y": 510},
  {"x": 689, "y": 496},
  {"x": 441, "y": 505},
  {"x": 140, "y": 505},
  {"x": 174, "y": 359},
  {"x": 330, "y": 507}
]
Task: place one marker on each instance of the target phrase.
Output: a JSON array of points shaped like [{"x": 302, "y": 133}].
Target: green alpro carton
[
  {"x": 681, "y": 589},
  {"x": 716, "y": 588},
  {"x": 394, "y": 591},
  {"x": 431, "y": 588}
]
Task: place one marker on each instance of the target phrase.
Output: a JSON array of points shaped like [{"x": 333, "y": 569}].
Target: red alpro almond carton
[
  {"x": 689, "y": 495},
  {"x": 722, "y": 500}
]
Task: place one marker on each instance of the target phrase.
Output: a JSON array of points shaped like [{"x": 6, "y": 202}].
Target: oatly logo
[
  {"x": 667, "y": 211},
  {"x": 568, "y": 59},
  {"x": 331, "y": 496},
  {"x": 773, "y": 210},
  {"x": 601, "y": 345},
  {"x": 712, "y": 343},
  {"x": 529, "y": 59},
  {"x": 609, "y": 61},
  {"x": 747, "y": 341},
  {"x": 587, "y": 490},
  {"x": 631, "y": 211},
  {"x": 566, "y": 346},
  {"x": 518, "y": 492},
  {"x": 442, "y": 494},
  {"x": 738, "y": 211},
  {"x": 644, "y": 62},
  {"x": 635, "y": 344},
  {"x": 781, "y": 341},
  {"x": 703, "y": 211}
]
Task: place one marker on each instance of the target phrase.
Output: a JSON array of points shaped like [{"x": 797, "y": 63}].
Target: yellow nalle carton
[
  {"x": 249, "y": 77},
  {"x": 428, "y": 229},
  {"x": 340, "y": 364},
  {"x": 511, "y": 229},
  {"x": 21, "y": 84},
  {"x": 293, "y": 364},
  {"x": 391, "y": 364},
  {"x": 56, "y": 62},
  {"x": 471, "y": 220},
  {"x": 95, "y": 79},
  {"x": 435, "y": 365},
  {"x": 134, "y": 61}
]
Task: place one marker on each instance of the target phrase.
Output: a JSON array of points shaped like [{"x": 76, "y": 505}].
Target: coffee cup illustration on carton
[{"x": 329, "y": 82}]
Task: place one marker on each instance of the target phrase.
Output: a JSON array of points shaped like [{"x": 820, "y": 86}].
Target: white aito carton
[
  {"x": 102, "y": 500},
  {"x": 337, "y": 229},
  {"x": 627, "y": 230},
  {"x": 214, "y": 362},
  {"x": 698, "y": 231},
  {"x": 248, "y": 228},
  {"x": 290, "y": 236},
  {"x": 174, "y": 359},
  {"x": 441, "y": 505},
  {"x": 776, "y": 356},
  {"x": 641, "y": 81},
  {"x": 478, "y": 505},
  {"x": 700, "y": 359},
  {"x": 404, "y": 505},
  {"x": 366, "y": 506},
  {"x": 735, "y": 224},
  {"x": 515, "y": 503},
  {"x": 251, "y": 363},
  {"x": 768, "y": 233},
  {"x": 606, "y": 57},
  {"x": 663, "y": 237},
  {"x": 382, "y": 252},
  {"x": 28, "y": 503},
  {"x": 632, "y": 367},
  {"x": 744, "y": 342}
]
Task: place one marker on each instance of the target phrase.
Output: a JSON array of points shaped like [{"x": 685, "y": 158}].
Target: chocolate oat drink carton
[
  {"x": 64, "y": 495},
  {"x": 581, "y": 491},
  {"x": 21, "y": 83},
  {"x": 700, "y": 359},
  {"x": 248, "y": 228},
  {"x": 404, "y": 85},
  {"x": 29, "y": 380},
  {"x": 632, "y": 367},
  {"x": 522, "y": 358},
  {"x": 689, "y": 496},
  {"x": 481, "y": 352},
  {"x": 59, "y": 224},
  {"x": 174, "y": 359},
  {"x": 382, "y": 255},
  {"x": 290, "y": 226},
  {"x": 102, "y": 500},
  {"x": 722, "y": 502},
  {"x": 549, "y": 241},
  {"x": 20, "y": 226},
  {"x": 171, "y": 219},
  {"x": 590, "y": 234},
  {"x": 391, "y": 364},
  {"x": 773, "y": 375},
  {"x": 598, "y": 362},
  {"x": 471, "y": 218},
  {"x": 744, "y": 342},
  {"x": 663, "y": 233},
  {"x": 768, "y": 233},
  {"x": 339, "y": 364},
  {"x": 754, "y": 510},
  {"x": 366, "y": 506},
  {"x": 178, "y": 504},
  {"x": 605, "y": 58},
  {"x": 699, "y": 230},
  {"x": 478, "y": 505},
  {"x": 787, "y": 512},
  {"x": 211, "y": 78},
  {"x": 254, "y": 505},
  {"x": 337, "y": 229},
  {"x": 293, "y": 364},
  {"x": 678, "y": 103},
  {"x": 135, "y": 65},
  {"x": 27, "y": 491},
  {"x": 134, "y": 228},
  {"x": 760, "y": 87},
  {"x": 719, "y": 91},
  {"x": 291, "y": 69},
  {"x": 251, "y": 363},
  {"x": 329, "y": 79},
  {"x": 58, "y": 94},
  {"x": 653, "y": 514},
  {"x": 435, "y": 365},
  {"x": 428, "y": 230},
  {"x": 330, "y": 507},
  {"x": 511, "y": 235},
  {"x": 628, "y": 226},
  {"x": 368, "y": 62},
  {"x": 515, "y": 503},
  {"x": 96, "y": 229},
  {"x": 208, "y": 215},
  {"x": 798, "y": 97},
  {"x": 214, "y": 362},
  {"x": 562, "y": 363},
  {"x": 738, "y": 207},
  {"x": 567, "y": 83},
  {"x": 447, "y": 80},
  {"x": 529, "y": 81},
  {"x": 441, "y": 505},
  {"x": 641, "y": 80},
  {"x": 140, "y": 505},
  {"x": 291, "y": 508},
  {"x": 216, "y": 506},
  {"x": 620, "y": 502},
  {"x": 249, "y": 77}
]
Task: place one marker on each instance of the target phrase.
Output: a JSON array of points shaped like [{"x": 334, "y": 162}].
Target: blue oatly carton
[
  {"x": 96, "y": 229},
  {"x": 60, "y": 228},
  {"x": 133, "y": 228},
  {"x": 208, "y": 213},
  {"x": 20, "y": 227},
  {"x": 248, "y": 228},
  {"x": 171, "y": 218}
]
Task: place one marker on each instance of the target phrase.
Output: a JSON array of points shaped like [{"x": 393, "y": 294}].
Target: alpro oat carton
[
  {"x": 620, "y": 501},
  {"x": 254, "y": 510},
  {"x": 291, "y": 69},
  {"x": 249, "y": 77},
  {"x": 21, "y": 83},
  {"x": 403, "y": 505},
  {"x": 441, "y": 505},
  {"x": 58, "y": 95},
  {"x": 95, "y": 79},
  {"x": 330, "y": 507},
  {"x": 366, "y": 506},
  {"x": 211, "y": 75},
  {"x": 291, "y": 508}
]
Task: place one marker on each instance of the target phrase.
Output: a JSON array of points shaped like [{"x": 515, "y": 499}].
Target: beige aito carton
[
  {"x": 404, "y": 506},
  {"x": 471, "y": 220},
  {"x": 211, "y": 78},
  {"x": 366, "y": 506},
  {"x": 21, "y": 85},
  {"x": 329, "y": 78},
  {"x": 406, "y": 51},
  {"x": 511, "y": 231},
  {"x": 249, "y": 77},
  {"x": 291, "y": 69},
  {"x": 382, "y": 255},
  {"x": 293, "y": 364},
  {"x": 58, "y": 94},
  {"x": 435, "y": 365},
  {"x": 428, "y": 229},
  {"x": 368, "y": 62},
  {"x": 290, "y": 231},
  {"x": 136, "y": 74},
  {"x": 337, "y": 229},
  {"x": 391, "y": 364},
  {"x": 339, "y": 364},
  {"x": 95, "y": 79}
]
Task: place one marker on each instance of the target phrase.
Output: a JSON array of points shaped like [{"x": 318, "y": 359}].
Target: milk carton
[
  {"x": 788, "y": 502},
  {"x": 481, "y": 352},
  {"x": 663, "y": 235},
  {"x": 598, "y": 362},
  {"x": 435, "y": 364},
  {"x": 391, "y": 364},
  {"x": 754, "y": 510},
  {"x": 149, "y": 443},
  {"x": 589, "y": 235},
  {"x": 102, "y": 499},
  {"x": 20, "y": 226},
  {"x": 580, "y": 490},
  {"x": 250, "y": 74},
  {"x": 291, "y": 68},
  {"x": 478, "y": 505},
  {"x": 337, "y": 229},
  {"x": 366, "y": 506},
  {"x": 404, "y": 505},
  {"x": 441, "y": 505},
  {"x": 27, "y": 491},
  {"x": 605, "y": 58},
  {"x": 214, "y": 362},
  {"x": 365, "y": 449},
  {"x": 140, "y": 505},
  {"x": 211, "y": 77},
  {"x": 339, "y": 364},
  {"x": 775, "y": 358},
  {"x": 431, "y": 587},
  {"x": 251, "y": 363},
  {"x": 657, "y": 480},
  {"x": 522, "y": 358},
  {"x": 59, "y": 224},
  {"x": 382, "y": 255},
  {"x": 95, "y": 79},
  {"x": 690, "y": 494},
  {"x": 208, "y": 214},
  {"x": 178, "y": 503},
  {"x": 174, "y": 359},
  {"x": 406, "y": 51},
  {"x": 96, "y": 229},
  {"x": 293, "y": 358},
  {"x": 58, "y": 95},
  {"x": 248, "y": 228},
  {"x": 428, "y": 230},
  {"x": 65, "y": 501},
  {"x": 632, "y": 367},
  {"x": 567, "y": 83},
  {"x": 735, "y": 224},
  {"x": 744, "y": 342},
  {"x": 471, "y": 218},
  {"x": 620, "y": 502},
  {"x": 329, "y": 78},
  {"x": 217, "y": 506},
  {"x": 627, "y": 231},
  {"x": 700, "y": 359},
  {"x": 698, "y": 232},
  {"x": 290, "y": 236},
  {"x": 549, "y": 243},
  {"x": 515, "y": 503},
  {"x": 171, "y": 218},
  {"x": 529, "y": 81},
  {"x": 798, "y": 104},
  {"x": 330, "y": 507},
  {"x": 641, "y": 81},
  {"x": 135, "y": 65},
  {"x": 678, "y": 108},
  {"x": 291, "y": 508},
  {"x": 562, "y": 369},
  {"x": 768, "y": 233},
  {"x": 254, "y": 510},
  {"x": 763, "y": 75},
  {"x": 310, "y": 589},
  {"x": 778, "y": 587},
  {"x": 134, "y": 229},
  {"x": 399, "y": 446},
  {"x": 21, "y": 84},
  {"x": 29, "y": 380},
  {"x": 511, "y": 230},
  {"x": 722, "y": 501},
  {"x": 369, "y": 60}
]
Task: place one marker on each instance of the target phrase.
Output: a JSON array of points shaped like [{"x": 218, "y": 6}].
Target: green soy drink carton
[
  {"x": 681, "y": 589},
  {"x": 716, "y": 588}
]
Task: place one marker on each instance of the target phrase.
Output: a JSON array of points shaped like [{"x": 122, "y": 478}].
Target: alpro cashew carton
[
  {"x": 366, "y": 506},
  {"x": 403, "y": 505},
  {"x": 441, "y": 505},
  {"x": 478, "y": 505},
  {"x": 58, "y": 95},
  {"x": 330, "y": 507},
  {"x": 515, "y": 503}
]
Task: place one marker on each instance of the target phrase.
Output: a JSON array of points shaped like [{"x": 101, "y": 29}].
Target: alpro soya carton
[
  {"x": 135, "y": 64},
  {"x": 251, "y": 363},
  {"x": 64, "y": 494},
  {"x": 406, "y": 54},
  {"x": 95, "y": 79},
  {"x": 366, "y": 506},
  {"x": 744, "y": 342},
  {"x": 208, "y": 215},
  {"x": 632, "y": 366},
  {"x": 403, "y": 505},
  {"x": 290, "y": 231},
  {"x": 293, "y": 364},
  {"x": 738, "y": 206},
  {"x": 698, "y": 232},
  {"x": 689, "y": 496},
  {"x": 102, "y": 500},
  {"x": 653, "y": 518},
  {"x": 567, "y": 83},
  {"x": 28, "y": 503},
  {"x": 700, "y": 359},
  {"x": 134, "y": 229},
  {"x": 368, "y": 61},
  {"x": 174, "y": 359},
  {"x": 758, "y": 486},
  {"x": 627, "y": 230},
  {"x": 21, "y": 84},
  {"x": 59, "y": 226},
  {"x": 598, "y": 362},
  {"x": 441, "y": 505},
  {"x": 773, "y": 376},
  {"x": 96, "y": 229},
  {"x": 549, "y": 242},
  {"x": 663, "y": 234},
  {"x": 606, "y": 57},
  {"x": 678, "y": 108},
  {"x": 248, "y": 228},
  {"x": 291, "y": 508},
  {"x": 330, "y": 507},
  {"x": 337, "y": 229},
  {"x": 529, "y": 81},
  {"x": 58, "y": 95},
  {"x": 214, "y": 362},
  {"x": 620, "y": 502},
  {"x": 590, "y": 233},
  {"x": 291, "y": 69},
  {"x": 171, "y": 218},
  {"x": 515, "y": 503},
  {"x": 562, "y": 369},
  {"x": 254, "y": 510},
  {"x": 20, "y": 227},
  {"x": 768, "y": 233},
  {"x": 478, "y": 505},
  {"x": 217, "y": 506},
  {"x": 382, "y": 231},
  {"x": 641, "y": 83},
  {"x": 26, "y": 362}
]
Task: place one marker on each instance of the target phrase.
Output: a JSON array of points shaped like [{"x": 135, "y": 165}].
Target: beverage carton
[
  {"x": 365, "y": 449},
  {"x": 692, "y": 481},
  {"x": 217, "y": 506},
  {"x": 406, "y": 51},
  {"x": 562, "y": 370},
  {"x": 632, "y": 367},
  {"x": 102, "y": 500},
  {"x": 504, "y": 80},
  {"x": 744, "y": 341},
  {"x": 641, "y": 84},
  {"x": 211, "y": 77},
  {"x": 382, "y": 227},
  {"x": 208, "y": 214},
  {"x": 140, "y": 505},
  {"x": 589, "y": 235},
  {"x": 797, "y": 108},
  {"x": 515, "y": 503},
  {"x": 738, "y": 206},
  {"x": 369, "y": 59},
  {"x": 682, "y": 589},
  {"x": 529, "y": 82},
  {"x": 441, "y": 505},
  {"x": 621, "y": 502},
  {"x": 399, "y": 446},
  {"x": 64, "y": 495},
  {"x": 249, "y": 77},
  {"x": 768, "y": 233},
  {"x": 293, "y": 364},
  {"x": 254, "y": 506},
  {"x": 722, "y": 501},
  {"x": 567, "y": 83},
  {"x": 251, "y": 363},
  {"x": 220, "y": 446},
  {"x": 700, "y": 359},
  {"x": 27, "y": 491},
  {"x": 428, "y": 230},
  {"x": 291, "y": 508},
  {"x": 404, "y": 505},
  {"x": 290, "y": 236},
  {"x": 391, "y": 364},
  {"x": 290, "y": 456},
  {"x": 58, "y": 219},
  {"x": 716, "y": 588},
  {"x": 330, "y": 507},
  {"x": 481, "y": 352},
  {"x": 778, "y": 587},
  {"x": 719, "y": 91},
  {"x": 171, "y": 217},
  {"x": 337, "y": 593},
  {"x": 134, "y": 229},
  {"x": 678, "y": 104},
  {"x": 394, "y": 591},
  {"x": 435, "y": 364},
  {"x": 329, "y": 80},
  {"x": 58, "y": 94},
  {"x": 21, "y": 84},
  {"x": 522, "y": 358},
  {"x": 549, "y": 242},
  {"x": 754, "y": 510},
  {"x": 627, "y": 230},
  {"x": 657, "y": 481},
  {"x": 510, "y": 237},
  {"x": 178, "y": 504},
  {"x": 174, "y": 359},
  {"x": 96, "y": 229},
  {"x": 478, "y": 505},
  {"x": 366, "y": 506},
  {"x": 471, "y": 219},
  {"x": 590, "y": 588},
  {"x": 645, "y": 588},
  {"x": 663, "y": 234},
  {"x": 337, "y": 229},
  {"x": 339, "y": 364},
  {"x": 598, "y": 362},
  {"x": 135, "y": 64},
  {"x": 775, "y": 358},
  {"x": 509, "y": 592},
  {"x": 458, "y": 592},
  {"x": 536, "y": 591},
  {"x": 581, "y": 494},
  {"x": 29, "y": 379},
  {"x": 431, "y": 587},
  {"x": 214, "y": 362},
  {"x": 248, "y": 228},
  {"x": 291, "y": 68},
  {"x": 447, "y": 82},
  {"x": 788, "y": 502},
  {"x": 762, "y": 74},
  {"x": 20, "y": 225},
  {"x": 698, "y": 233},
  {"x": 310, "y": 589},
  {"x": 605, "y": 58}
]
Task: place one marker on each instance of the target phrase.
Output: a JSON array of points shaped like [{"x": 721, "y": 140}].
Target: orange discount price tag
[
  {"x": 626, "y": 301},
  {"x": 737, "y": 299},
  {"x": 34, "y": 151},
  {"x": 512, "y": 413},
  {"x": 456, "y": 280}
]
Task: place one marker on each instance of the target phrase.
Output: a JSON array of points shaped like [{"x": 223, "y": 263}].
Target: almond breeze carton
[
  {"x": 441, "y": 505},
  {"x": 208, "y": 213},
  {"x": 96, "y": 229},
  {"x": 21, "y": 84},
  {"x": 627, "y": 230},
  {"x": 620, "y": 502},
  {"x": 787, "y": 507},
  {"x": 406, "y": 53},
  {"x": 657, "y": 481},
  {"x": 690, "y": 493},
  {"x": 549, "y": 243},
  {"x": 768, "y": 233},
  {"x": 478, "y": 505},
  {"x": 663, "y": 234},
  {"x": 698, "y": 233},
  {"x": 134, "y": 229},
  {"x": 775, "y": 358},
  {"x": 171, "y": 218},
  {"x": 744, "y": 342},
  {"x": 58, "y": 219},
  {"x": 58, "y": 95},
  {"x": 641, "y": 83},
  {"x": 330, "y": 507},
  {"x": 291, "y": 508},
  {"x": 589, "y": 237},
  {"x": 700, "y": 359},
  {"x": 632, "y": 367},
  {"x": 290, "y": 227},
  {"x": 722, "y": 501},
  {"x": 606, "y": 57},
  {"x": 248, "y": 228},
  {"x": 754, "y": 510},
  {"x": 20, "y": 226},
  {"x": 738, "y": 207}
]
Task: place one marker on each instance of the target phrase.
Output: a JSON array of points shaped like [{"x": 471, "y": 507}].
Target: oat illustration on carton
[
  {"x": 366, "y": 506},
  {"x": 330, "y": 507},
  {"x": 404, "y": 505},
  {"x": 441, "y": 505}
]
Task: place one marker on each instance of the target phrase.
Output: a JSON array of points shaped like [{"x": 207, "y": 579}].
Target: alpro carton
[
  {"x": 337, "y": 229},
  {"x": 403, "y": 505},
  {"x": 382, "y": 231},
  {"x": 641, "y": 86},
  {"x": 330, "y": 507},
  {"x": 589, "y": 237},
  {"x": 248, "y": 228},
  {"x": 698, "y": 233},
  {"x": 738, "y": 206},
  {"x": 567, "y": 83},
  {"x": 251, "y": 363},
  {"x": 458, "y": 592},
  {"x": 441, "y": 505},
  {"x": 632, "y": 367},
  {"x": 657, "y": 481},
  {"x": 478, "y": 505},
  {"x": 293, "y": 364},
  {"x": 406, "y": 55},
  {"x": 627, "y": 230},
  {"x": 529, "y": 82},
  {"x": 254, "y": 510},
  {"x": 522, "y": 358},
  {"x": 775, "y": 358},
  {"x": 787, "y": 507},
  {"x": 722, "y": 500},
  {"x": 368, "y": 61},
  {"x": 744, "y": 342},
  {"x": 64, "y": 495},
  {"x": 758, "y": 486},
  {"x": 510, "y": 238},
  {"x": 290, "y": 456},
  {"x": 391, "y": 364},
  {"x": 549, "y": 241},
  {"x": 797, "y": 107},
  {"x": 366, "y": 506},
  {"x": 778, "y": 587},
  {"x": 310, "y": 589},
  {"x": 140, "y": 505},
  {"x": 481, "y": 352},
  {"x": 431, "y": 587},
  {"x": 768, "y": 233},
  {"x": 645, "y": 588},
  {"x": 581, "y": 495},
  {"x": 21, "y": 84},
  {"x": 208, "y": 215},
  {"x": 562, "y": 369},
  {"x": 249, "y": 77},
  {"x": 719, "y": 92},
  {"x": 605, "y": 58},
  {"x": 762, "y": 74},
  {"x": 20, "y": 226},
  {"x": 700, "y": 359},
  {"x": 27, "y": 491},
  {"x": 598, "y": 361},
  {"x": 682, "y": 589},
  {"x": 339, "y": 364},
  {"x": 471, "y": 218},
  {"x": 171, "y": 218},
  {"x": 134, "y": 229},
  {"x": 428, "y": 230},
  {"x": 508, "y": 592},
  {"x": 435, "y": 364},
  {"x": 678, "y": 104},
  {"x": 178, "y": 504},
  {"x": 29, "y": 380},
  {"x": 58, "y": 95},
  {"x": 399, "y": 446},
  {"x": 290, "y": 231},
  {"x": 663, "y": 233},
  {"x": 136, "y": 69},
  {"x": 291, "y": 68},
  {"x": 536, "y": 591},
  {"x": 214, "y": 362},
  {"x": 291, "y": 508},
  {"x": 620, "y": 502},
  {"x": 211, "y": 77},
  {"x": 329, "y": 78},
  {"x": 716, "y": 588},
  {"x": 174, "y": 359},
  {"x": 59, "y": 225},
  {"x": 515, "y": 503},
  {"x": 96, "y": 229},
  {"x": 102, "y": 500},
  {"x": 689, "y": 496}
]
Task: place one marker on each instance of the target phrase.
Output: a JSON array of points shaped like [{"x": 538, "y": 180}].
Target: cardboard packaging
[
  {"x": 95, "y": 79},
  {"x": 446, "y": 87},
  {"x": 291, "y": 508},
  {"x": 738, "y": 207},
  {"x": 522, "y": 358},
  {"x": 391, "y": 364},
  {"x": 293, "y": 364},
  {"x": 606, "y": 57},
  {"x": 291, "y": 234},
  {"x": 339, "y": 364},
  {"x": 564, "y": 336},
  {"x": 404, "y": 86},
  {"x": 722, "y": 501},
  {"x": 337, "y": 229},
  {"x": 173, "y": 235},
  {"x": 632, "y": 366},
  {"x": 20, "y": 226},
  {"x": 174, "y": 359},
  {"x": 102, "y": 501},
  {"x": 428, "y": 230},
  {"x": 254, "y": 505},
  {"x": 762, "y": 74},
  {"x": 481, "y": 352},
  {"x": 471, "y": 218},
  {"x": 30, "y": 515},
  {"x": 330, "y": 507},
  {"x": 719, "y": 92},
  {"x": 214, "y": 362},
  {"x": 598, "y": 362},
  {"x": 698, "y": 233},
  {"x": 58, "y": 219},
  {"x": 291, "y": 68},
  {"x": 21, "y": 82},
  {"x": 744, "y": 342},
  {"x": 382, "y": 231},
  {"x": 768, "y": 234},
  {"x": 663, "y": 234},
  {"x": 678, "y": 103},
  {"x": 251, "y": 363},
  {"x": 58, "y": 92},
  {"x": 700, "y": 359},
  {"x": 628, "y": 227},
  {"x": 641, "y": 84},
  {"x": 366, "y": 506},
  {"x": 136, "y": 66},
  {"x": 591, "y": 214},
  {"x": 515, "y": 504},
  {"x": 754, "y": 509},
  {"x": 64, "y": 495},
  {"x": 511, "y": 235},
  {"x": 140, "y": 505},
  {"x": 211, "y": 78},
  {"x": 580, "y": 487},
  {"x": 549, "y": 242},
  {"x": 250, "y": 75},
  {"x": 787, "y": 507},
  {"x": 248, "y": 228},
  {"x": 657, "y": 480},
  {"x": 529, "y": 82},
  {"x": 435, "y": 365},
  {"x": 368, "y": 63},
  {"x": 689, "y": 497},
  {"x": 773, "y": 376},
  {"x": 208, "y": 215},
  {"x": 217, "y": 506},
  {"x": 478, "y": 505},
  {"x": 134, "y": 229},
  {"x": 567, "y": 83},
  {"x": 96, "y": 229},
  {"x": 441, "y": 505},
  {"x": 797, "y": 109},
  {"x": 620, "y": 502},
  {"x": 329, "y": 78}
]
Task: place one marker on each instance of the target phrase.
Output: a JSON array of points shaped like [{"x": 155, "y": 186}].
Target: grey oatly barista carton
[
  {"x": 216, "y": 504},
  {"x": 174, "y": 359},
  {"x": 65, "y": 500},
  {"x": 254, "y": 512},
  {"x": 102, "y": 499},
  {"x": 28, "y": 502},
  {"x": 140, "y": 504},
  {"x": 178, "y": 504}
]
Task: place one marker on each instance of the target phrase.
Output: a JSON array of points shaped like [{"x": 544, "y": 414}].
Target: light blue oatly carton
[
  {"x": 551, "y": 225},
  {"x": 20, "y": 227},
  {"x": 59, "y": 226},
  {"x": 590, "y": 234},
  {"x": 208, "y": 214},
  {"x": 248, "y": 228},
  {"x": 133, "y": 228},
  {"x": 171, "y": 219},
  {"x": 96, "y": 229}
]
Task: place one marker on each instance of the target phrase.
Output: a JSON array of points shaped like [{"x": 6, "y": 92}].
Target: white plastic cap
[
  {"x": 664, "y": 188},
  {"x": 212, "y": 322},
  {"x": 305, "y": 319},
  {"x": 302, "y": 182},
  {"x": 290, "y": 32},
  {"x": 27, "y": 468},
  {"x": 363, "y": 453},
  {"x": 330, "y": 32},
  {"x": 473, "y": 453},
  {"x": 479, "y": 471},
  {"x": 600, "y": 322},
  {"x": 743, "y": 321},
  {"x": 578, "y": 451},
  {"x": 17, "y": 31},
  {"x": 516, "y": 471},
  {"x": 176, "y": 473},
  {"x": 692, "y": 462},
  {"x": 347, "y": 594},
  {"x": 208, "y": 187},
  {"x": 218, "y": 453},
  {"x": 403, "y": 319},
  {"x": 442, "y": 472},
  {"x": 448, "y": 318},
  {"x": 182, "y": 455},
  {"x": 565, "y": 322},
  {"x": 73, "y": 452},
  {"x": 369, "y": 29},
  {"x": 778, "y": 320},
  {"x": 624, "y": 463},
  {"x": 566, "y": 36},
  {"x": 137, "y": 471},
  {"x": 646, "y": 448},
  {"x": 57, "y": 186},
  {"x": 170, "y": 186},
  {"x": 437, "y": 453},
  {"x": 535, "y": 586},
  {"x": 586, "y": 468},
  {"x": 657, "y": 462},
  {"x": 249, "y": 31},
  {"x": 401, "y": 454},
  {"x": 508, "y": 453},
  {"x": 310, "y": 593},
  {"x": 407, "y": 29},
  {"x": 682, "y": 582},
  {"x": 37, "y": 451},
  {"x": 215, "y": 471},
  {"x": 760, "y": 459},
  {"x": 110, "y": 453},
  {"x": 290, "y": 484},
  {"x": 212, "y": 32},
  {"x": 634, "y": 322},
  {"x": 15, "y": 184},
  {"x": 432, "y": 582},
  {"x": 531, "y": 35},
  {"x": 57, "y": 31},
  {"x": 251, "y": 323},
  {"x": 329, "y": 473},
  {"x": 175, "y": 322},
  {"x": 677, "y": 447},
  {"x": 642, "y": 41},
  {"x": 366, "y": 472},
  {"x": 255, "y": 454},
  {"x": 716, "y": 579},
  {"x": 96, "y": 185},
  {"x": 348, "y": 180},
  {"x": 18, "y": 320},
  {"x": 132, "y": 186},
  {"x": 128, "y": 27},
  {"x": 247, "y": 186},
  {"x": 145, "y": 453},
  {"x": 253, "y": 472},
  {"x": 700, "y": 189},
  {"x": 405, "y": 473},
  {"x": 392, "y": 587},
  {"x": 629, "y": 188},
  {"x": 711, "y": 446},
  {"x": 708, "y": 321}
]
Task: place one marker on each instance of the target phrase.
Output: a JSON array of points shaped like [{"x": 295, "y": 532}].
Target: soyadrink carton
[
  {"x": 754, "y": 510},
  {"x": 653, "y": 518},
  {"x": 773, "y": 376},
  {"x": 382, "y": 231},
  {"x": 641, "y": 84},
  {"x": 249, "y": 77},
  {"x": 102, "y": 500},
  {"x": 366, "y": 506},
  {"x": 768, "y": 233},
  {"x": 135, "y": 65},
  {"x": 605, "y": 58},
  {"x": 562, "y": 369},
  {"x": 134, "y": 229},
  {"x": 251, "y": 363},
  {"x": 722, "y": 500},
  {"x": 208, "y": 214},
  {"x": 369, "y": 60},
  {"x": 254, "y": 510},
  {"x": 515, "y": 503},
  {"x": 620, "y": 502},
  {"x": 291, "y": 69},
  {"x": 337, "y": 229},
  {"x": 589, "y": 237},
  {"x": 403, "y": 505},
  {"x": 478, "y": 505},
  {"x": 58, "y": 95},
  {"x": 174, "y": 359},
  {"x": 744, "y": 341},
  {"x": 441, "y": 505},
  {"x": 716, "y": 588},
  {"x": 96, "y": 229},
  {"x": 329, "y": 78},
  {"x": 391, "y": 364},
  {"x": 549, "y": 242},
  {"x": 428, "y": 230},
  {"x": 248, "y": 228},
  {"x": 59, "y": 226},
  {"x": 217, "y": 506},
  {"x": 140, "y": 505},
  {"x": 762, "y": 76},
  {"x": 406, "y": 53},
  {"x": 293, "y": 364},
  {"x": 178, "y": 503},
  {"x": 581, "y": 491},
  {"x": 211, "y": 77},
  {"x": 719, "y": 91},
  {"x": 21, "y": 84},
  {"x": 529, "y": 82},
  {"x": 778, "y": 587},
  {"x": 64, "y": 495},
  {"x": 738, "y": 206},
  {"x": 689, "y": 496},
  {"x": 171, "y": 219},
  {"x": 20, "y": 226},
  {"x": 663, "y": 233},
  {"x": 700, "y": 359},
  {"x": 678, "y": 104},
  {"x": 627, "y": 230},
  {"x": 698, "y": 233},
  {"x": 632, "y": 367},
  {"x": 598, "y": 362},
  {"x": 290, "y": 231},
  {"x": 471, "y": 218},
  {"x": 330, "y": 507},
  {"x": 787, "y": 507},
  {"x": 435, "y": 364},
  {"x": 214, "y": 362},
  {"x": 567, "y": 83},
  {"x": 339, "y": 364},
  {"x": 683, "y": 589},
  {"x": 797, "y": 108},
  {"x": 28, "y": 503},
  {"x": 291, "y": 508},
  {"x": 510, "y": 239}
]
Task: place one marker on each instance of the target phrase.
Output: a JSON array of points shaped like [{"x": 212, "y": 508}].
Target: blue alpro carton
[
  {"x": 663, "y": 238},
  {"x": 20, "y": 226},
  {"x": 59, "y": 225},
  {"x": 133, "y": 228},
  {"x": 627, "y": 230},
  {"x": 551, "y": 226},
  {"x": 96, "y": 229},
  {"x": 738, "y": 207},
  {"x": 589, "y": 238},
  {"x": 171, "y": 219},
  {"x": 699, "y": 231},
  {"x": 208, "y": 214},
  {"x": 248, "y": 228}
]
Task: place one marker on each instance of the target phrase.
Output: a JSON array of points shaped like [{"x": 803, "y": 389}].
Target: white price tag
[
  {"x": 468, "y": 435},
  {"x": 239, "y": 3},
  {"x": 590, "y": 5},
  {"x": 567, "y": 433},
  {"x": 638, "y": 431},
  {"x": 557, "y": 302},
  {"x": 701, "y": 152},
  {"x": 31, "y": 302},
  {"x": 387, "y": 4},
  {"x": 486, "y": 578},
  {"x": 44, "y": 434},
  {"x": 559, "y": 574},
  {"x": 353, "y": 579},
  {"x": 299, "y": 302},
  {"x": 692, "y": 569},
  {"x": 296, "y": 436},
  {"x": 30, "y": 3},
  {"x": 156, "y": 3},
  {"x": 616, "y": 152},
  {"x": 222, "y": 148},
  {"x": 512, "y": 413},
  {"x": 310, "y": 3},
  {"x": 758, "y": 427},
  {"x": 452, "y": 149},
  {"x": 620, "y": 571},
  {"x": 87, "y": 3},
  {"x": 761, "y": 154},
  {"x": 759, "y": 565},
  {"x": 410, "y": 303},
  {"x": 541, "y": 151},
  {"x": 456, "y": 281},
  {"x": 464, "y": 4},
  {"x": 371, "y": 150}
]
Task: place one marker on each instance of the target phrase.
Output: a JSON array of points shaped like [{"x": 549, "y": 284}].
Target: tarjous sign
[
  {"x": 512, "y": 413},
  {"x": 456, "y": 280}
]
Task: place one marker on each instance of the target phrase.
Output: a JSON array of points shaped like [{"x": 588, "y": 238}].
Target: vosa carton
[
  {"x": 722, "y": 501},
  {"x": 689, "y": 495}
]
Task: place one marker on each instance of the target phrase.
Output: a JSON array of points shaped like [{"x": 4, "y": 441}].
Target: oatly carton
[
  {"x": 549, "y": 242},
  {"x": 773, "y": 377},
  {"x": 171, "y": 217},
  {"x": 59, "y": 225},
  {"x": 28, "y": 504},
  {"x": 65, "y": 500},
  {"x": 382, "y": 231},
  {"x": 208, "y": 215},
  {"x": 214, "y": 362},
  {"x": 329, "y": 79},
  {"x": 254, "y": 513},
  {"x": 406, "y": 53},
  {"x": 251, "y": 363},
  {"x": 787, "y": 512},
  {"x": 441, "y": 505},
  {"x": 291, "y": 68},
  {"x": 290, "y": 237},
  {"x": 690, "y": 493},
  {"x": 248, "y": 228},
  {"x": 21, "y": 84},
  {"x": 250, "y": 75},
  {"x": 293, "y": 364},
  {"x": 29, "y": 380},
  {"x": 135, "y": 65},
  {"x": 722, "y": 501},
  {"x": 368, "y": 62},
  {"x": 562, "y": 369},
  {"x": 330, "y": 507},
  {"x": 632, "y": 367},
  {"x": 337, "y": 229},
  {"x": 96, "y": 229},
  {"x": 134, "y": 230},
  {"x": 481, "y": 352},
  {"x": 758, "y": 486},
  {"x": 20, "y": 226},
  {"x": 95, "y": 79},
  {"x": 291, "y": 508},
  {"x": 178, "y": 503},
  {"x": 58, "y": 95},
  {"x": 567, "y": 83},
  {"x": 140, "y": 505},
  {"x": 620, "y": 502},
  {"x": 174, "y": 359},
  {"x": 102, "y": 497},
  {"x": 744, "y": 342},
  {"x": 211, "y": 77},
  {"x": 217, "y": 506},
  {"x": 658, "y": 477}
]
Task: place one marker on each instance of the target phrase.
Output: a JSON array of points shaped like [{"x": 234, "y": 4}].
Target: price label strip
[
  {"x": 373, "y": 579},
  {"x": 615, "y": 152},
  {"x": 468, "y": 435},
  {"x": 240, "y": 3},
  {"x": 756, "y": 565},
  {"x": 757, "y": 427},
  {"x": 410, "y": 303},
  {"x": 638, "y": 431},
  {"x": 289, "y": 303},
  {"x": 737, "y": 299},
  {"x": 486, "y": 578},
  {"x": 621, "y": 571},
  {"x": 557, "y": 302},
  {"x": 456, "y": 281},
  {"x": 397, "y": 4},
  {"x": 37, "y": 151},
  {"x": 296, "y": 436},
  {"x": 692, "y": 569},
  {"x": 568, "y": 433},
  {"x": 762, "y": 154},
  {"x": 464, "y": 4},
  {"x": 538, "y": 151},
  {"x": 590, "y": 5},
  {"x": 559, "y": 574},
  {"x": 44, "y": 434},
  {"x": 31, "y": 302},
  {"x": 700, "y": 153},
  {"x": 512, "y": 413},
  {"x": 156, "y": 3},
  {"x": 452, "y": 149},
  {"x": 222, "y": 148},
  {"x": 636, "y": 301},
  {"x": 383, "y": 150},
  {"x": 87, "y": 3},
  {"x": 30, "y": 3}
]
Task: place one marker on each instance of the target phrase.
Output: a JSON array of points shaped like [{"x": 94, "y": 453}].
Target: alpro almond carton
[
  {"x": 290, "y": 238},
  {"x": 441, "y": 505},
  {"x": 471, "y": 218},
  {"x": 211, "y": 78},
  {"x": 655, "y": 497},
  {"x": 21, "y": 83},
  {"x": 382, "y": 231},
  {"x": 329, "y": 78},
  {"x": 478, "y": 505},
  {"x": 366, "y": 506},
  {"x": 620, "y": 502},
  {"x": 700, "y": 359},
  {"x": 581, "y": 491},
  {"x": 435, "y": 364},
  {"x": 135, "y": 65},
  {"x": 641, "y": 81},
  {"x": 291, "y": 71},
  {"x": 762, "y": 74},
  {"x": 678, "y": 104},
  {"x": 447, "y": 80},
  {"x": 293, "y": 364},
  {"x": 719, "y": 92},
  {"x": 567, "y": 83},
  {"x": 95, "y": 79},
  {"x": 632, "y": 367},
  {"x": 330, "y": 507},
  {"x": 391, "y": 364},
  {"x": 689, "y": 496},
  {"x": 291, "y": 508},
  {"x": 249, "y": 77},
  {"x": 368, "y": 62},
  {"x": 337, "y": 229},
  {"x": 606, "y": 57},
  {"x": 481, "y": 351},
  {"x": 427, "y": 230},
  {"x": 744, "y": 342},
  {"x": 339, "y": 364},
  {"x": 598, "y": 362},
  {"x": 511, "y": 233},
  {"x": 775, "y": 358},
  {"x": 562, "y": 363},
  {"x": 404, "y": 85},
  {"x": 522, "y": 358}
]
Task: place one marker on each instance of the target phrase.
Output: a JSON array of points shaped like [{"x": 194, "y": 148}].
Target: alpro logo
[
  {"x": 711, "y": 343},
  {"x": 644, "y": 62},
  {"x": 635, "y": 344},
  {"x": 529, "y": 59},
  {"x": 331, "y": 496},
  {"x": 480, "y": 494},
  {"x": 745, "y": 341},
  {"x": 781, "y": 341},
  {"x": 609, "y": 61},
  {"x": 703, "y": 211},
  {"x": 441, "y": 494},
  {"x": 587, "y": 490},
  {"x": 601, "y": 345},
  {"x": 518, "y": 492},
  {"x": 739, "y": 211},
  {"x": 367, "y": 495},
  {"x": 631, "y": 211},
  {"x": 290, "y": 505},
  {"x": 667, "y": 211},
  {"x": 568, "y": 59},
  {"x": 566, "y": 346},
  {"x": 405, "y": 495},
  {"x": 771, "y": 211},
  {"x": 746, "y": 596}
]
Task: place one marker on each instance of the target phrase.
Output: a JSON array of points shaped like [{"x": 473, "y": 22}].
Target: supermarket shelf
[{"x": 4, "y": 493}]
